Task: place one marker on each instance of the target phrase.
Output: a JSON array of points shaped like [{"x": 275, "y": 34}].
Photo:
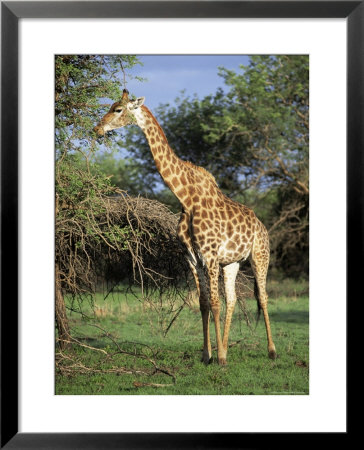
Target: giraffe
[{"x": 215, "y": 230}]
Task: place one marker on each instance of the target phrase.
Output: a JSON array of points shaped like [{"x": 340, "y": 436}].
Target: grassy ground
[{"x": 130, "y": 337}]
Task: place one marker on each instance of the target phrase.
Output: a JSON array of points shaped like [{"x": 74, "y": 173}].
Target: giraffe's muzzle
[{"x": 99, "y": 129}]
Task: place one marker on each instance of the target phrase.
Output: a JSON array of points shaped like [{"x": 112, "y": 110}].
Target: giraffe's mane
[
  {"x": 155, "y": 121},
  {"x": 202, "y": 170}
]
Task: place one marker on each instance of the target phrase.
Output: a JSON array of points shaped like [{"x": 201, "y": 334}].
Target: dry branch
[
  {"x": 130, "y": 239},
  {"x": 68, "y": 363}
]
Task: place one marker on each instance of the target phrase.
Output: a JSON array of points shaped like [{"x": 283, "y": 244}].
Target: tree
[
  {"x": 123, "y": 172},
  {"x": 81, "y": 189},
  {"x": 268, "y": 116}
]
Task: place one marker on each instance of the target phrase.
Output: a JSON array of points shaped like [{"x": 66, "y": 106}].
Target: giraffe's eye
[{"x": 118, "y": 110}]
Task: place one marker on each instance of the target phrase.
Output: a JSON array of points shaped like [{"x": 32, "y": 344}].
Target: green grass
[{"x": 123, "y": 323}]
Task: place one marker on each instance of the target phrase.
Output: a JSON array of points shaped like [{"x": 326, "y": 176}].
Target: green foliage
[
  {"x": 267, "y": 115},
  {"x": 78, "y": 186},
  {"x": 81, "y": 80},
  {"x": 83, "y": 194},
  {"x": 123, "y": 172}
]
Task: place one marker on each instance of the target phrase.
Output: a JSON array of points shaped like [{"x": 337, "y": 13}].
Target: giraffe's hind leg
[
  {"x": 213, "y": 271},
  {"x": 259, "y": 260}
]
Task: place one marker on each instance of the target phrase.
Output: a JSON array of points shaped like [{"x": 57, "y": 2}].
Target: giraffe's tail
[{"x": 256, "y": 295}]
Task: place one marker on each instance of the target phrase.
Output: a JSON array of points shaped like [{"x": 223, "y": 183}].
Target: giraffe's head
[{"x": 120, "y": 114}]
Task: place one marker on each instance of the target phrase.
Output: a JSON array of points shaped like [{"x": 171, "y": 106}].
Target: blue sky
[{"x": 168, "y": 75}]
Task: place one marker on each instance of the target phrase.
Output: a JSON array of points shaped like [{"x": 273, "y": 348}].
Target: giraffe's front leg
[
  {"x": 205, "y": 313},
  {"x": 202, "y": 291}
]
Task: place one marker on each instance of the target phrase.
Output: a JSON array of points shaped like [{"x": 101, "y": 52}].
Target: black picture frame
[{"x": 11, "y": 12}]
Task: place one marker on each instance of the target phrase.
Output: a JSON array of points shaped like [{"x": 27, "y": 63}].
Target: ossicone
[{"x": 125, "y": 95}]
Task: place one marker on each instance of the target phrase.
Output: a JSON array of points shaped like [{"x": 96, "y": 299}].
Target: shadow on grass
[
  {"x": 93, "y": 342},
  {"x": 290, "y": 316}
]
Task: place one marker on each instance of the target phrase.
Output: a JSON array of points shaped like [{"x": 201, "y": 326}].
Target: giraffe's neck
[
  {"x": 162, "y": 153},
  {"x": 184, "y": 179}
]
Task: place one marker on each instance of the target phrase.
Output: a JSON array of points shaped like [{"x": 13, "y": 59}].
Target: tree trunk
[{"x": 61, "y": 316}]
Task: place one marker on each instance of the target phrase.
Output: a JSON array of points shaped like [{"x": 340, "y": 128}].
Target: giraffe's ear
[{"x": 136, "y": 103}]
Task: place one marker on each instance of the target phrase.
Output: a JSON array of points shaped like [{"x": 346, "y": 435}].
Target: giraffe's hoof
[
  {"x": 222, "y": 361},
  {"x": 206, "y": 360},
  {"x": 272, "y": 354}
]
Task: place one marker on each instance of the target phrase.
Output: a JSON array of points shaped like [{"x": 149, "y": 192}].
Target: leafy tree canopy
[
  {"x": 80, "y": 82},
  {"x": 82, "y": 188}
]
